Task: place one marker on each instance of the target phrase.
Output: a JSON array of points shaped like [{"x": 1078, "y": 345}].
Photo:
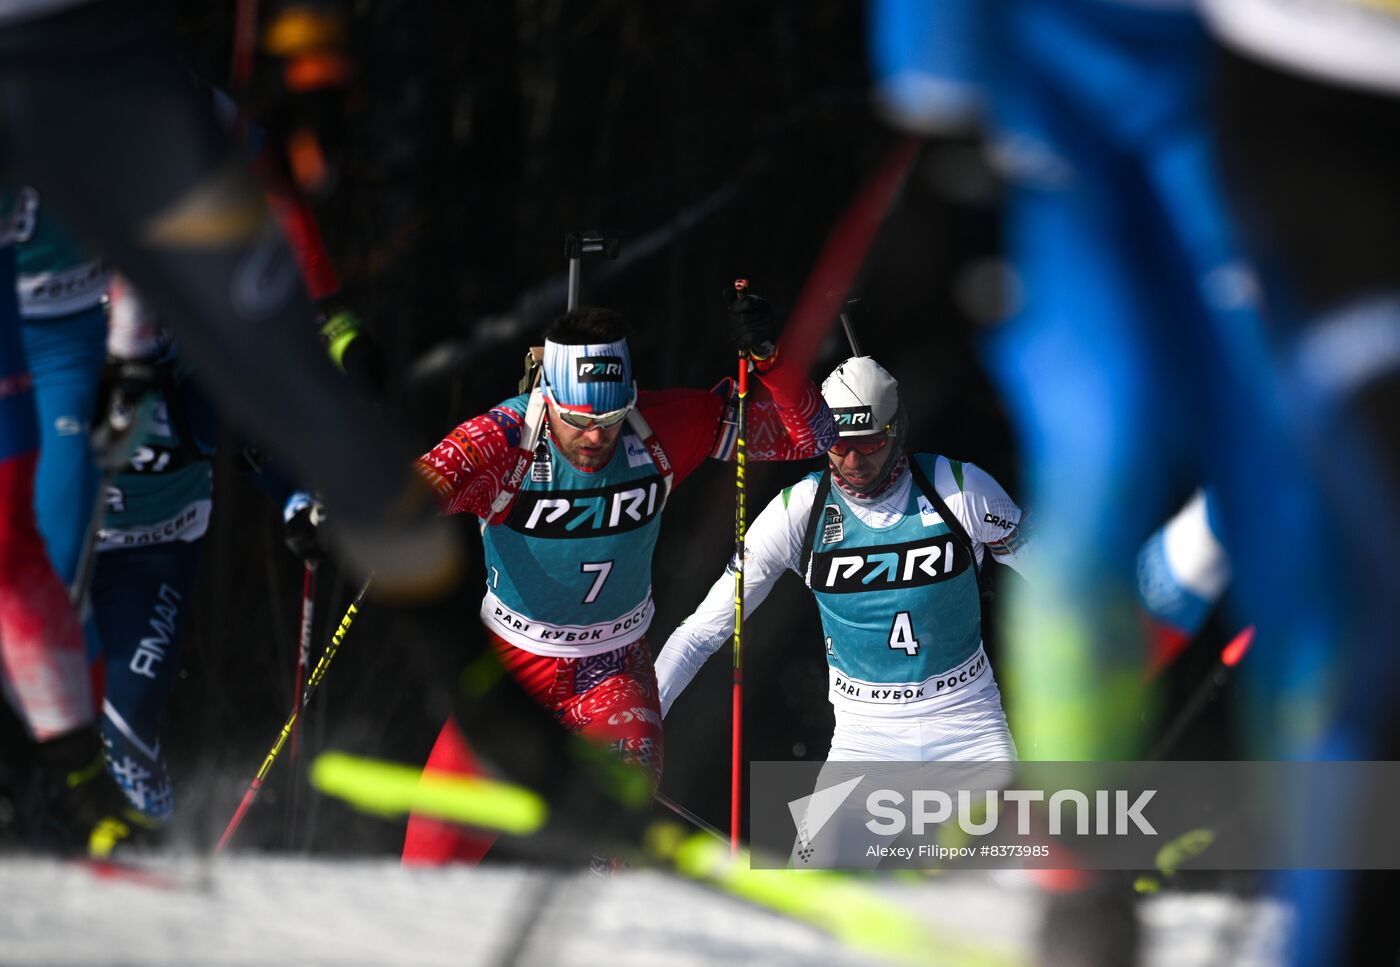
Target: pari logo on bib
[{"x": 591, "y": 378}]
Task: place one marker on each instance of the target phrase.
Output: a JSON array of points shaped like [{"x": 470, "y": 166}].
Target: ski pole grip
[
  {"x": 741, "y": 289},
  {"x": 578, "y": 244}
]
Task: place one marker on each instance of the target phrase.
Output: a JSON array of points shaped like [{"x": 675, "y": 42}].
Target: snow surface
[{"x": 260, "y": 909}]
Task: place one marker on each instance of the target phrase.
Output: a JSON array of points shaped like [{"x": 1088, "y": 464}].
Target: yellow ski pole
[{"x": 317, "y": 674}]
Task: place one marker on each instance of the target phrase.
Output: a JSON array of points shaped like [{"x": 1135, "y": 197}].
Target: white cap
[{"x": 864, "y": 399}]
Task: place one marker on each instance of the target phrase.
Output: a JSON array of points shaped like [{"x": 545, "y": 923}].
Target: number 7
[{"x": 602, "y": 569}]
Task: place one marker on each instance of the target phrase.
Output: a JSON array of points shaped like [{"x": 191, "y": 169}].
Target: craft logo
[
  {"x": 600, "y": 369},
  {"x": 853, "y": 418}
]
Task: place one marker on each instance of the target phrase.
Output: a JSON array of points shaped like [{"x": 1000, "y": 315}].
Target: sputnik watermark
[
  {"x": 1233, "y": 815},
  {"x": 1111, "y": 811},
  {"x": 979, "y": 812}
]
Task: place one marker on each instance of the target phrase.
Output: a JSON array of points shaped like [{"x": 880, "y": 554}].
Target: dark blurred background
[{"x": 719, "y": 139}]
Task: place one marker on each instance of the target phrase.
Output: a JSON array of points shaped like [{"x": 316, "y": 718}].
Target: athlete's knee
[{"x": 645, "y": 753}]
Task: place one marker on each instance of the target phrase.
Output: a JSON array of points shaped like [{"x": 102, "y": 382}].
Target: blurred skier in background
[
  {"x": 1182, "y": 572},
  {"x": 1138, "y": 358},
  {"x": 176, "y": 209},
  {"x": 1307, "y": 114}
]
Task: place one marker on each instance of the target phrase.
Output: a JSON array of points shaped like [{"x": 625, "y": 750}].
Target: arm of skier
[
  {"x": 787, "y": 417},
  {"x": 993, "y": 520},
  {"x": 694, "y": 424},
  {"x": 772, "y": 543},
  {"x": 467, "y": 466}
]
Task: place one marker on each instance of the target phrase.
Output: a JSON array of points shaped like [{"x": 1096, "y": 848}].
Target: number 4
[
  {"x": 602, "y": 569},
  {"x": 902, "y": 634}
]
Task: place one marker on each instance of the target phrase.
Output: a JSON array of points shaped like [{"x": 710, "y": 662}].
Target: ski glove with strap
[
  {"x": 753, "y": 327},
  {"x": 125, "y": 400},
  {"x": 302, "y": 517}
]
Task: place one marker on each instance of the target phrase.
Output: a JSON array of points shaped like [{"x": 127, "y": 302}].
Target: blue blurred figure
[{"x": 1138, "y": 357}]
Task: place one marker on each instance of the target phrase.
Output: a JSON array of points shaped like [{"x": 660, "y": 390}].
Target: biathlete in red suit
[{"x": 570, "y": 481}]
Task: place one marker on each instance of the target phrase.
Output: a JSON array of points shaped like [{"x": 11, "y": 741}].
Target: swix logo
[
  {"x": 910, "y": 565},
  {"x": 852, "y": 418},
  {"x": 1001, "y": 522},
  {"x": 512, "y": 481},
  {"x": 599, "y": 369},
  {"x": 588, "y": 513},
  {"x": 658, "y": 455}
]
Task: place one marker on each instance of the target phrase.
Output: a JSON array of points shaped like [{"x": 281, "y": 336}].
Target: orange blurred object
[
  {"x": 307, "y": 160},
  {"x": 316, "y": 71},
  {"x": 299, "y": 30}
]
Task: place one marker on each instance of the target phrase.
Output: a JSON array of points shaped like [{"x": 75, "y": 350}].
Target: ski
[
  {"x": 840, "y": 905},
  {"x": 130, "y": 872}
]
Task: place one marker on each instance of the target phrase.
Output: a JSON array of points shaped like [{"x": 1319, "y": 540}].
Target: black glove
[
  {"x": 303, "y": 516},
  {"x": 125, "y": 397},
  {"x": 753, "y": 328},
  {"x": 87, "y": 811}
]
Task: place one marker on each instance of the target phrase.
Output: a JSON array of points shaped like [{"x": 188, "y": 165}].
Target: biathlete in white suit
[{"x": 892, "y": 546}]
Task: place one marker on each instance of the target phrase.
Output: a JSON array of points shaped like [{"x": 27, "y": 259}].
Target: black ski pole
[
  {"x": 850, "y": 330},
  {"x": 691, "y": 817}
]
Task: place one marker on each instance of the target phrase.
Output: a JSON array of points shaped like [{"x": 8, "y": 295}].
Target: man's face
[
  {"x": 585, "y": 449},
  {"x": 859, "y": 458}
]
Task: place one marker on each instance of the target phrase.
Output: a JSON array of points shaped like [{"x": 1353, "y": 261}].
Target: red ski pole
[
  {"x": 308, "y": 619},
  {"x": 736, "y": 772},
  {"x": 317, "y": 674}
]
